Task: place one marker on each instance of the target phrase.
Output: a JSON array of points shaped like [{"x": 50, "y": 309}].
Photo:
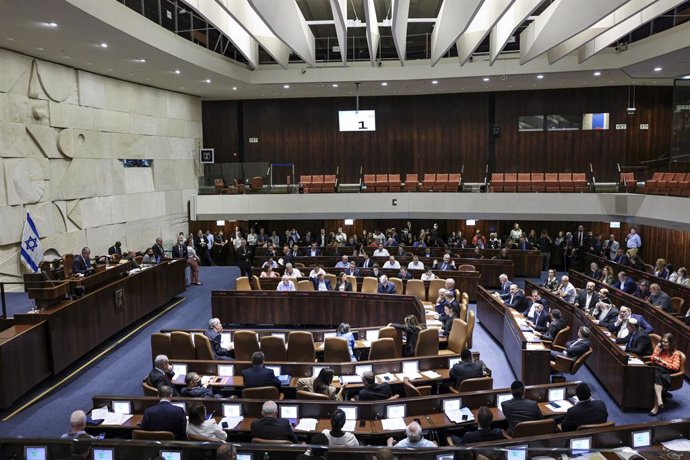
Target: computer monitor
[
  {"x": 396, "y": 411},
  {"x": 290, "y": 411},
  {"x": 179, "y": 369},
  {"x": 122, "y": 407},
  {"x": 226, "y": 370},
  {"x": 316, "y": 370},
  {"x": 517, "y": 452},
  {"x": 350, "y": 412},
  {"x": 556, "y": 394},
  {"x": 327, "y": 335},
  {"x": 232, "y": 410},
  {"x": 35, "y": 452},
  {"x": 275, "y": 369},
  {"x": 171, "y": 454},
  {"x": 642, "y": 438},
  {"x": 244, "y": 456},
  {"x": 452, "y": 404},
  {"x": 372, "y": 334},
  {"x": 580, "y": 445},
  {"x": 452, "y": 362},
  {"x": 410, "y": 367},
  {"x": 444, "y": 457},
  {"x": 181, "y": 405},
  {"x": 103, "y": 453},
  {"x": 360, "y": 370},
  {"x": 502, "y": 397}
]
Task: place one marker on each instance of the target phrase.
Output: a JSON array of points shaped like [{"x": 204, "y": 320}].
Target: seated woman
[
  {"x": 322, "y": 384},
  {"x": 449, "y": 314},
  {"x": 666, "y": 361},
  {"x": 198, "y": 425},
  {"x": 607, "y": 275},
  {"x": 661, "y": 270},
  {"x": 411, "y": 328},
  {"x": 336, "y": 436},
  {"x": 343, "y": 284},
  {"x": 343, "y": 332},
  {"x": 551, "y": 283},
  {"x": 269, "y": 273}
]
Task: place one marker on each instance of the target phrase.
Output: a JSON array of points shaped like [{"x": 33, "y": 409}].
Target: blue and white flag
[{"x": 32, "y": 254}]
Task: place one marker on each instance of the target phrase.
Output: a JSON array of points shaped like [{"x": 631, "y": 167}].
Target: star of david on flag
[{"x": 31, "y": 253}]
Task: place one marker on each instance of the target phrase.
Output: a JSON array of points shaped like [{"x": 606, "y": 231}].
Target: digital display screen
[
  {"x": 36, "y": 453},
  {"x": 556, "y": 394},
  {"x": 452, "y": 404},
  {"x": 410, "y": 367},
  {"x": 171, "y": 454},
  {"x": 226, "y": 370},
  {"x": 517, "y": 453},
  {"x": 360, "y": 370},
  {"x": 244, "y": 456},
  {"x": 372, "y": 335},
  {"x": 357, "y": 120},
  {"x": 232, "y": 410},
  {"x": 641, "y": 438},
  {"x": 350, "y": 412},
  {"x": 452, "y": 362},
  {"x": 103, "y": 454},
  {"x": 580, "y": 445},
  {"x": 288, "y": 411},
  {"x": 501, "y": 398},
  {"x": 275, "y": 369},
  {"x": 396, "y": 411},
  {"x": 122, "y": 407},
  {"x": 180, "y": 369}
]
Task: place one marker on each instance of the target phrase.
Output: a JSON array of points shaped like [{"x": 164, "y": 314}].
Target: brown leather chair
[
  {"x": 678, "y": 377},
  {"x": 434, "y": 286},
  {"x": 472, "y": 385},
  {"x": 467, "y": 268},
  {"x": 332, "y": 278},
  {"x": 457, "y": 339},
  {"x": 336, "y": 350},
  {"x": 397, "y": 282},
  {"x": 396, "y": 335},
  {"x": 471, "y": 320},
  {"x": 300, "y": 347},
  {"x": 427, "y": 343},
  {"x": 160, "y": 344},
  {"x": 677, "y": 303},
  {"x": 153, "y": 435},
  {"x": 270, "y": 441},
  {"x": 256, "y": 184},
  {"x": 370, "y": 285},
  {"x": 305, "y": 285},
  {"x": 242, "y": 284},
  {"x": 569, "y": 366},
  {"x": 257, "y": 282},
  {"x": 301, "y": 394},
  {"x": 382, "y": 349},
  {"x": 416, "y": 288},
  {"x": 596, "y": 426},
  {"x": 181, "y": 345},
  {"x": 202, "y": 346},
  {"x": 148, "y": 389},
  {"x": 67, "y": 262},
  {"x": 273, "y": 348},
  {"x": 246, "y": 343},
  {"x": 655, "y": 339},
  {"x": 411, "y": 182},
  {"x": 534, "y": 428},
  {"x": 412, "y": 391},
  {"x": 265, "y": 393},
  {"x": 560, "y": 339}
]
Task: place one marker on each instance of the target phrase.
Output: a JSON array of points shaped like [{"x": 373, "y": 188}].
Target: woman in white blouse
[{"x": 199, "y": 426}]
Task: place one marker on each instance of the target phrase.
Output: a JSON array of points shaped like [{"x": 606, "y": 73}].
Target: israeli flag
[{"x": 32, "y": 254}]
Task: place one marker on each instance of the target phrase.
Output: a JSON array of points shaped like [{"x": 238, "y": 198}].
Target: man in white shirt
[
  {"x": 292, "y": 272},
  {"x": 428, "y": 275},
  {"x": 285, "y": 284},
  {"x": 415, "y": 438},
  {"x": 566, "y": 290},
  {"x": 341, "y": 237},
  {"x": 587, "y": 298},
  {"x": 381, "y": 251},
  {"x": 633, "y": 242},
  {"x": 415, "y": 264},
  {"x": 318, "y": 270},
  {"x": 392, "y": 263},
  {"x": 343, "y": 263}
]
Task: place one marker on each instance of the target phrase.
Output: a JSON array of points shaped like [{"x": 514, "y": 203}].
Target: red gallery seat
[
  {"x": 428, "y": 182},
  {"x": 317, "y": 183},
  {"x": 627, "y": 182},
  {"x": 305, "y": 183},
  {"x": 329, "y": 183},
  {"x": 524, "y": 182},
  {"x": 652, "y": 185},
  {"x": 370, "y": 182},
  {"x": 454, "y": 183},
  {"x": 565, "y": 182},
  {"x": 441, "y": 183},
  {"x": 551, "y": 180},
  {"x": 510, "y": 182},
  {"x": 538, "y": 184},
  {"x": 497, "y": 181},
  {"x": 580, "y": 182},
  {"x": 382, "y": 182},
  {"x": 394, "y": 183},
  {"x": 411, "y": 182}
]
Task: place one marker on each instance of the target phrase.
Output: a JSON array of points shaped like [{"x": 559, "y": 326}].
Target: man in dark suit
[
  {"x": 637, "y": 341},
  {"x": 466, "y": 368},
  {"x": 539, "y": 319},
  {"x": 214, "y": 336},
  {"x": 162, "y": 374},
  {"x": 625, "y": 283},
  {"x": 269, "y": 426},
  {"x": 581, "y": 238},
  {"x": 366, "y": 262},
  {"x": 194, "y": 389},
  {"x": 385, "y": 286},
  {"x": 82, "y": 262},
  {"x": 321, "y": 283},
  {"x": 587, "y": 411},
  {"x": 587, "y": 298},
  {"x": 314, "y": 250},
  {"x": 557, "y": 323},
  {"x": 404, "y": 274},
  {"x": 158, "y": 250},
  {"x": 605, "y": 314},
  {"x": 166, "y": 417},
  {"x": 516, "y": 299},
  {"x": 352, "y": 270},
  {"x": 575, "y": 348},
  {"x": 258, "y": 375},
  {"x": 484, "y": 432},
  {"x": 180, "y": 249},
  {"x": 518, "y": 409},
  {"x": 373, "y": 391},
  {"x": 244, "y": 258},
  {"x": 115, "y": 249}
]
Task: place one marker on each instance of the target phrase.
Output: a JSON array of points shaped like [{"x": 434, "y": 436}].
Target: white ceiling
[{"x": 83, "y": 24}]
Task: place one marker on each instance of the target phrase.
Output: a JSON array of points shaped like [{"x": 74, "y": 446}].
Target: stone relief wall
[{"x": 62, "y": 134}]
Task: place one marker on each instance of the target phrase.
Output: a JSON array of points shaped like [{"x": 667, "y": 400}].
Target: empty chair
[
  {"x": 202, "y": 347},
  {"x": 538, "y": 183},
  {"x": 397, "y": 282},
  {"x": 394, "y": 183},
  {"x": 396, "y": 335},
  {"x": 304, "y": 285},
  {"x": 510, "y": 182},
  {"x": 336, "y": 350},
  {"x": 471, "y": 320},
  {"x": 627, "y": 182},
  {"x": 678, "y": 305},
  {"x": 416, "y": 288},
  {"x": 181, "y": 346},
  {"x": 369, "y": 182},
  {"x": 434, "y": 286},
  {"x": 257, "y": 282},
  {"x": 411, "y": 182},
  {"x": 427, "y": 343},
  {"x": 382, "y": 182},
  {"x": 428, "y": 182},
  {"x": 565, "y": 182},
  {"x": 317, "y": 183},
  {"x": 246, "y": 343},
  {"x": 524, "y": 182},
  {"x": 467, "y": 268},
  {"x": 454, "y": 183},
  {"x": 264, "y": 393},
  {"x": 457, "y": 339},
  {"x": 497, "y": 182},
  {"x": 153, "y": 435},
  {"x": 330, "y": 183},
  {"x": 441, "y": 182},
  {"x": 302, "y": 394},
  {"x": 273, "y": 348},
  {"x": 305, "y": 183},
  {"x": 412, "y": 391},
  {"x": 596, "y": 426},
  {"x": 472, "y": 385},
  {"x": 300, "y": 347},
  {"x": 242, "y": 284},
  {"x": 463, "y": 311},
  {"x": 148, "y": 389},
  {"x": 551, "y": 180},
  {"x": 370, "y": 285},
  {"x": 382, "y": 349},
  {"x": 534, "y": 428},
  {"x": 653, "y": 184},
  {"x": 580, "y": 182},
  {"x": 465, "y": 296},
  {"x": 567, "y": 365},
  {"x": 160, "y": 344}
]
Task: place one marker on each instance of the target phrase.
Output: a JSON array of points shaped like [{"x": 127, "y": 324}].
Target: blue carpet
[{"x": 120, "y": 372}]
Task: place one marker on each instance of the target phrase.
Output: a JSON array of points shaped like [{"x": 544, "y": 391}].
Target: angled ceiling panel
[
  {"x": 339, "y": 9},
  {"x": 487, "y": 16},
  {"x": 373, "y": 35},
  {"x": 452, "y": 21},
  {"x": 401, "y": 11},
  {"x": 504, "y": 29}
]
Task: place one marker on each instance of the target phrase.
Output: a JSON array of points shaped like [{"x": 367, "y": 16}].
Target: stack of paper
[
  {"x": 431, "y": 323},
  {"x": 307, "y": 424},
  {"x": 456, "y": 416},
  {"x": 562, "y": 408},
  {"x": 116, "y": 419},
  {"x": 350, "y": 425},
  {"x": 635, "y": 361},
  {"x": 678, "y": 445},
  {"x": 531, "y": 337},
  {"x": 393, "y": 424},
  {"x": 409, "y": 375},
  {"x": 100, "y": 413},
  {"x": 231, "y": 421},
  {"x": 431, "y": 375},
  {"x": 626, "y": 453}
]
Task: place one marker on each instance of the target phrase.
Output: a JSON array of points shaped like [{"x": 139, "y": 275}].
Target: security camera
[
  {"x": 303, "y": 71},
  {"x": 379, "y": 63}
]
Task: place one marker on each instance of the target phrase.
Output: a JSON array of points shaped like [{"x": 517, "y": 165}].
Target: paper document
[
  {"x": 635, "y": 361},
  {"x": 678, "y": 445},
  {"x": 116, "y": 419},
  {"x": 431, "y": 375},
  {"x": 350, "y": 425},
  {"x": 231, "y": 421},
  {"x": 393, "y": 424},
  {"x": 562, "y": 408},
  {"x": 432, "y": 323},
  {"x": 409, "y": 375},
  {"x": 531, "y": 337},
  {"x": 99, "y": 414},
  {"x": 625, "y": 452},
  {"x": 455, "y": 416},
  {"x": 307, "y": 424}
]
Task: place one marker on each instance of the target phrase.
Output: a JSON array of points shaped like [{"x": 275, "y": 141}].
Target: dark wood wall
[{"x": 439, "y": 133}]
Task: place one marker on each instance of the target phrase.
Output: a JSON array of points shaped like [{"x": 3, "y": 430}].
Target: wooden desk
[
  {"x": 313, "y": 308},
  {"x": 631, "y": 386},
  {"x": 661, "y": 321},
  {"x": 24, "y": 360},
  {"x": 530, "y": 362},
  {"x": 76, "y": 327}
]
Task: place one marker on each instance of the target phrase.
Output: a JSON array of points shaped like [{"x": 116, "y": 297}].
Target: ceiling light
[
  {"x": 383, "y": 83},
  {"x": 51, "y": 24},
  {"x": 540, "y": 77},
  {"x": 334, "y": 85},
  {"x": 687, "y": 77},
  {"x": 103, "y": 45},
  {"x": 208, "y": 80},
  {"x": 142, "y": 61},
  {"x": 177, "y": 72},
  {"x": 40, "y": 49},
  {"x": 486, "y": 79},
  {"x": 597, "y": 74},
  {"x": 286, "y": 86},
  {"x": 434, "y": 82},
  {"x": 9, "y": 39},
  {"x": 234, "y": 88},
  {"x": 657, "y": 69}
]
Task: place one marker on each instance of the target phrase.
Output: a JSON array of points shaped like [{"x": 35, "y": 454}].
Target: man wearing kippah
[
  {"x": 587, "y": 411},
  {"x": 637, "y": 341},
  {"x": 519, "y": 409}
]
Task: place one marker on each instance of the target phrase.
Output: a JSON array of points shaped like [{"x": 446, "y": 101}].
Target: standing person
[
  {"x": 158, "y": 250},
  {"x": 411, "y": 328},
  {"x": 544, "y": 242},
  {"x": 201, "y": 247},
  {"x": 193, "y": 262},
  {"x": 666, "y": 360},
  {"x": 244, "y": 259},
  {"x": 633, "y": 242},
  {"x": 217, "y": 253},
  {"x": 166, "y": 417}
]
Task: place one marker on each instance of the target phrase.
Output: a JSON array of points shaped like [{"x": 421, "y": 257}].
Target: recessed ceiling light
[
  {"x": 657, "y": 69},
  {"x": 383, "y": 83},
  {"x": 9, "y": 39},
  {"x": 66, "y": 57},
  {"x": 103, "y": 45},
  {"x": 540, "y": 77},
  {"x": 286, "y": 86},
  {"x": 597, "y": 74},
  {"x": 141, "y": 61},
  {"x": 51, "y": 24},
  {"x": 486, "y": 79},
  {"x": 334, "y": 85},
  {"x": 687, "y": 77},
  {"x": 177, "y": 72},
  {"x": 434, "y": 82},
  {"x": 40, "y": 49},
  {"x": 234, "y": 88},
  {"x": 208, "y": 80}
]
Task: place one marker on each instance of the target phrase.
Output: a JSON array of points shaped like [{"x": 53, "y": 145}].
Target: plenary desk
[
  {"x": 75, "y": 327},
  {"x": 24, "y": 360},
  {"x": 313, "y": 308},
  {"x": 631, "y": 386},
  {"x": 661, "y": 321},
  {"x": 530, "y": 361}
]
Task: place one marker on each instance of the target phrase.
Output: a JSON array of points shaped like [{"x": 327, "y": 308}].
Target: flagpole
[{"x": 2, "y": 298}]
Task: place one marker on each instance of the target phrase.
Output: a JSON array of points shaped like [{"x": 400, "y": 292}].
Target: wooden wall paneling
[{"x": 220, "y": 130}]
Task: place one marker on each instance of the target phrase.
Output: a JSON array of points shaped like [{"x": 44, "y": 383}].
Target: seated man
[
  {"x": 385, "y": 286},
  {"x": 194, "y": 389},
  {"x": 593, "y": 271},
  {"x": 373, "y": 391},
  {"x": 381, "y": 251},
  {"x": 504, "y": 292},
  {"x": 445, "y": 264},
  {"x": 536, "y": 299},
  {"x": 131, "y": 257},
  {"x": 575, "y": 348},
  {"x": 621, "y": 258},
  {"x": 162, "y": 374},
  {"x": 292, "y": 272},
  {"x": 619, "y": 327},
  {"x": 637, "y": 340},
  {"x": 270, "y": 426},
  {"x": 440, "y": 301},
  {"x": 286, "y": 284},
  {"x": 540, "y": 320},
  {"x": 314, "y": 250},
  {"x": 166, "y": 417},
  {"x": 215, "y": 328},
  {"x": 587, "y": 411},
  {"x": 82, "y": 262},
  {"x": 516, "y": 299},
  {"x": 77, "y": 426},
  {"x": 149, "y": 257},
  {"x": 557, "y": 323},
  {"x": 586, "y": 299},
  {"x": 258, "y": 375},
  {"x": 415, "y": 438},
  {"x": 415, "y": 264},
  {"x": 352, "y": 270},
  {"x": 566, "y": 290},
  {"x": 466, "y": 368},
  {"x": 519, "y": 409},
  {"x": 343, "y": 263},
  {"x": 503, "y": 255},
  {"x": 321, "y": 283},
  {"x": 404, "y": 274},
  {"x": 450, "y": 287},
  {"x": 625, "y": 283},
  {"x": 604, "y": 314},
  {"x": 484, "y": 431},
  {"x": 659, "y": 298},
  {"x": 391, "y": 263}
]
